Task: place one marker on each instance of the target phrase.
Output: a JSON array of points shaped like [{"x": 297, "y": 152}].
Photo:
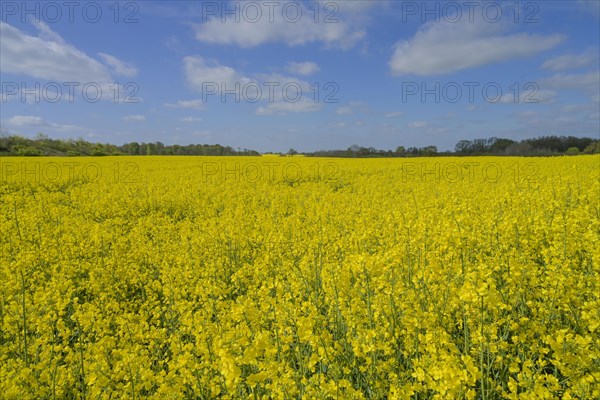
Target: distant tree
[
  {"x": 571, "y": 151},
  {"x": 519, "y": 149},
  {"x": 593, "y": 148},
  {"x": 463, "y": 147},
  {"x": 134, "y": 148},
  {"x": 28, "y": 151},
  {"x": 98, "y": 151},
  {"x": 292, "y": 152},
  {"x": 40, "y": 137},
  {"x": 4, "y": 141},
  {"x": 149, "y": 150},
  {"x": 429, "y": 151},
  {"x": 400, "y": 151},
  {"x": 499, "y": 146}
]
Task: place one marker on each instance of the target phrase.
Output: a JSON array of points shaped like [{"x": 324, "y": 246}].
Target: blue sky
[{"x": 308, "y": 75}]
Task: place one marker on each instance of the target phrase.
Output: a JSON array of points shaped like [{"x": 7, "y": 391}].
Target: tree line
[
  {"x": 42, "y": 145},
  {"x": 541, "y": 146}
]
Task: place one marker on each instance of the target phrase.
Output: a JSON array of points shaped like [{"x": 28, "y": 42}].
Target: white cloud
[
  {"x": 418, "y": 124},
  {"x": 190, "y": 119},
  {"x": 284, "y": 94},
  {"x": 289, "y": 95},
  {"x": 134, "y": 118},
  {"x": 571, "y": 61},
  {"x": 278, "y": 28},
  {"x": 440, "y": 48},
  {"x": 352, "y": 108},
  {"x": 119, "y": 67},
  {"x": 29, "y": 121},
  {"x": 588, "y": 81},
  {"x": 47, "y": 57},
  {"x": 344, "y": 110},
  {"x": 575, "y": 119},
  {"x": 528, "y": 97},
  {"x": 47, "y": 34},
  {"x": 302, "y": 68},
  {"x": 394, "y": 114},
  {"x": 199, "y": 72},
  {"x": 284, "y": 108},
  {"x": 195, "y": 104}
]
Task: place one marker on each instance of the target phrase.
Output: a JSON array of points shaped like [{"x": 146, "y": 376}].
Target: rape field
[{"x": 268, "y": 277}]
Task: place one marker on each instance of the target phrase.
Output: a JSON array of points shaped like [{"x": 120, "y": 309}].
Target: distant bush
[
  {"x": 571, "y": 151},
  {"x": 593, "y": 148},
  {"x": 27, "y": 151}
]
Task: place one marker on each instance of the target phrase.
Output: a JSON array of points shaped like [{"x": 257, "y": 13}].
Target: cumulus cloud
[
  {"x": 30, "y": 121},
  {"x": 195, "y": 104},
  {"x": 119, "y": 67},
  {"x": 199, "y": 71},
  {"x": 302, "y": 68},
  {"x": 284, "y": 94},
  {"x": 572, "y": 61},
  {"x": 47, "y": 56},
  {"x": 588, "y": 81},
  {"x": 134, "y": 118},
  {"x": 444, "y": 47},
  {"x": 278, "y": 27}
]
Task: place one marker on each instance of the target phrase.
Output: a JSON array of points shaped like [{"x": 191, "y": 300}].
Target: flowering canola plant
[{"x": 296, "y": 277}]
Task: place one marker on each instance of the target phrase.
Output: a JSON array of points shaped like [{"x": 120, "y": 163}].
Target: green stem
[{"x": 25, "y": 350}]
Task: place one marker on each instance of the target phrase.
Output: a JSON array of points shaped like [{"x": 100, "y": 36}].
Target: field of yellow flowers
[{"x": 290, "y": 277}]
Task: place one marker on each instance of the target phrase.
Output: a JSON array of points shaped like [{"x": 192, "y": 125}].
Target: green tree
[
  {"x": 593, "y": 148},
  {"x": 400, "y": 151},
  {"x": 429, "y": 151}
]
